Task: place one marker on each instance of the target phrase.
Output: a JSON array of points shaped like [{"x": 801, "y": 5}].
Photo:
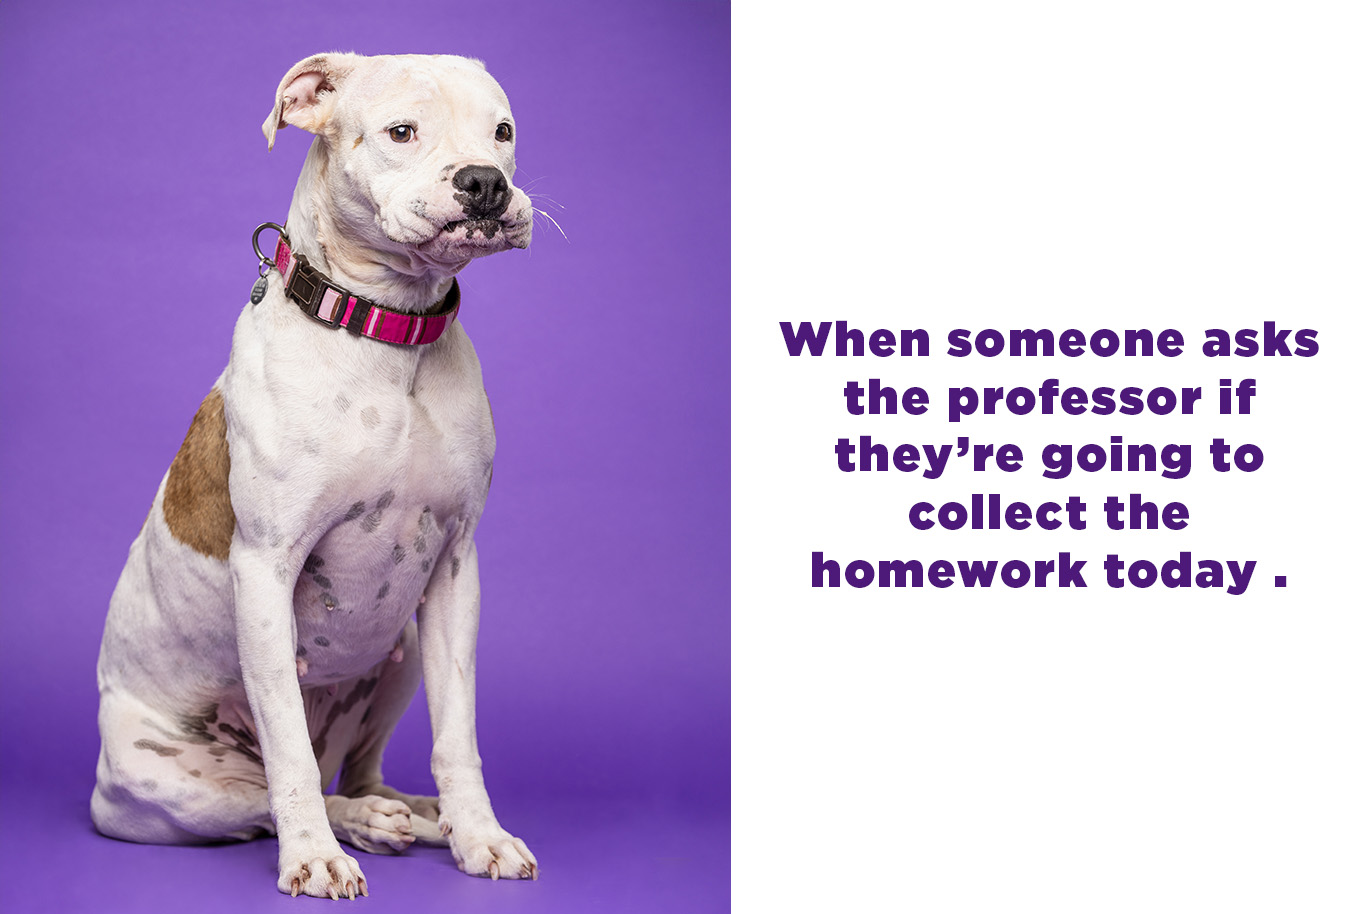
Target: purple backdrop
[{"x": 134, "y": 171}]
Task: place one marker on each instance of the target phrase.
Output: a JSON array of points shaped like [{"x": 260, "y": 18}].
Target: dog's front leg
[
  {"x": 311, "y": 860},
  {"x": 448, "y": 620}
]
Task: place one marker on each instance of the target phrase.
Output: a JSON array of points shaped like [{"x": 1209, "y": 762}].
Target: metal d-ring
[{"x": 266, "y": 262}]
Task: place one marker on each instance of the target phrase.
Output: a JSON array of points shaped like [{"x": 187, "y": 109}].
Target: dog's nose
[{"x": 483, "y": 190}]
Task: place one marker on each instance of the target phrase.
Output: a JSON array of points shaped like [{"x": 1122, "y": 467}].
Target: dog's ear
[{"x": 305, "y": 95}]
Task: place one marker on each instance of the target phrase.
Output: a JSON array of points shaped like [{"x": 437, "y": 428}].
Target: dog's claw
[
  {"x": 351, "y": 892},
  {"x": 294, "y": 887},
  {"x": 332, "y": 892},
  {"x": 494, "y": 855},
  {"x": 363, "y": 886},
  {"x": 301, "y": 667},
  {"x": 397, "y": 654}
]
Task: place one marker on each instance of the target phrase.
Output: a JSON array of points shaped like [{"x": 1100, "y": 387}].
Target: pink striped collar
[{"x": 329, "y": 304}]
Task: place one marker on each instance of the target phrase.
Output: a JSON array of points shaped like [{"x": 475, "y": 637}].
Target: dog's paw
[
  {"x": 493, "y": 853},
  {"x": 331, "y": 876},
  {"x": 377, "y": 825},
  {"x": 423, "y": 807}
]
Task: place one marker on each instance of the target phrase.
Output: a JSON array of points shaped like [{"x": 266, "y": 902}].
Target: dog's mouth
[
  {"x": 466, "y": 237},
  {"x": 487, "y": 227}
]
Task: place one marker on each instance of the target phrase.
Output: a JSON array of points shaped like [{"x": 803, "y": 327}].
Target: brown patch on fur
[
  {"x": 357, "y": 142},
  {"x": 154, "y": 746},
  {"x": 196, "y": 504}
]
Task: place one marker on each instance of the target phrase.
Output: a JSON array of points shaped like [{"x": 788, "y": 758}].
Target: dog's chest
[
  {"x": 363, "y": 580},
  {"x": 390, "y": 470},
  {"x": 406, "y": 498}
]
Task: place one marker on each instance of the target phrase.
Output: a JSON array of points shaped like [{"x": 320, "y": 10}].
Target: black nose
[{"x": 482, "y": 190}]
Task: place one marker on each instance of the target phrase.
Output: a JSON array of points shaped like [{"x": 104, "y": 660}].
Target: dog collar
[{"x": 330, "y": 304}]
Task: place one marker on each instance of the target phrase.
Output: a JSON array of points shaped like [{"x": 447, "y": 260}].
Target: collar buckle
[{"x": 308, "y": 287}]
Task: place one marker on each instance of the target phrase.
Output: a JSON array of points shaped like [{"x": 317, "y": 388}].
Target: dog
[{"x": 310, "y": 551}]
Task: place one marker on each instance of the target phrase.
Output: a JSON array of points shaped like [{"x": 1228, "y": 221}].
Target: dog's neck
[{"x": 389, "y": 279}]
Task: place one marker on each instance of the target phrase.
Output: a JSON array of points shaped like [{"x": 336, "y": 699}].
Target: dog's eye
[
  {"x": 504, "y": 133},
  {"x": 402, "y": 134}
]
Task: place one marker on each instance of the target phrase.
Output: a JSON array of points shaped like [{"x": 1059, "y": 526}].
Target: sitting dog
[{"x": 263, "y": 637}]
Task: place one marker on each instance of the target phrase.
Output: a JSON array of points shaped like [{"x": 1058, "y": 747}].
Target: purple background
[{"x": 134, "y": 171}]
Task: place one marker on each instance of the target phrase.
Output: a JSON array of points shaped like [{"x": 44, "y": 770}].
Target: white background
[{"x": 1187, "y": 165}]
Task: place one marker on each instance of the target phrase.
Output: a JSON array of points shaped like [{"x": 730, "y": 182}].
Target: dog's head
[{"x": 416, "y": 154}]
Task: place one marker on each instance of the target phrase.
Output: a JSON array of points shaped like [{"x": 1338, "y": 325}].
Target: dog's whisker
[
  {"x": 554, "y": 222},
  {"x": 533, "y": 181},
  {"x": 545, "y": 198}
]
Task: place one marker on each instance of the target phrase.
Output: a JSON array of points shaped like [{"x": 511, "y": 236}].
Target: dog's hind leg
[
  {"x": 161, "y": 782},
  {"x": 361, "y": 779}
]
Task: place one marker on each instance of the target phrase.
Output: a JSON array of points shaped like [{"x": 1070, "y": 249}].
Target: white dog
[{"x": 261, "y": 638}]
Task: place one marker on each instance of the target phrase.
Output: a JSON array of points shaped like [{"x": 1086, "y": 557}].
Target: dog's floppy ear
[{"x": 305, "y": 95}]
